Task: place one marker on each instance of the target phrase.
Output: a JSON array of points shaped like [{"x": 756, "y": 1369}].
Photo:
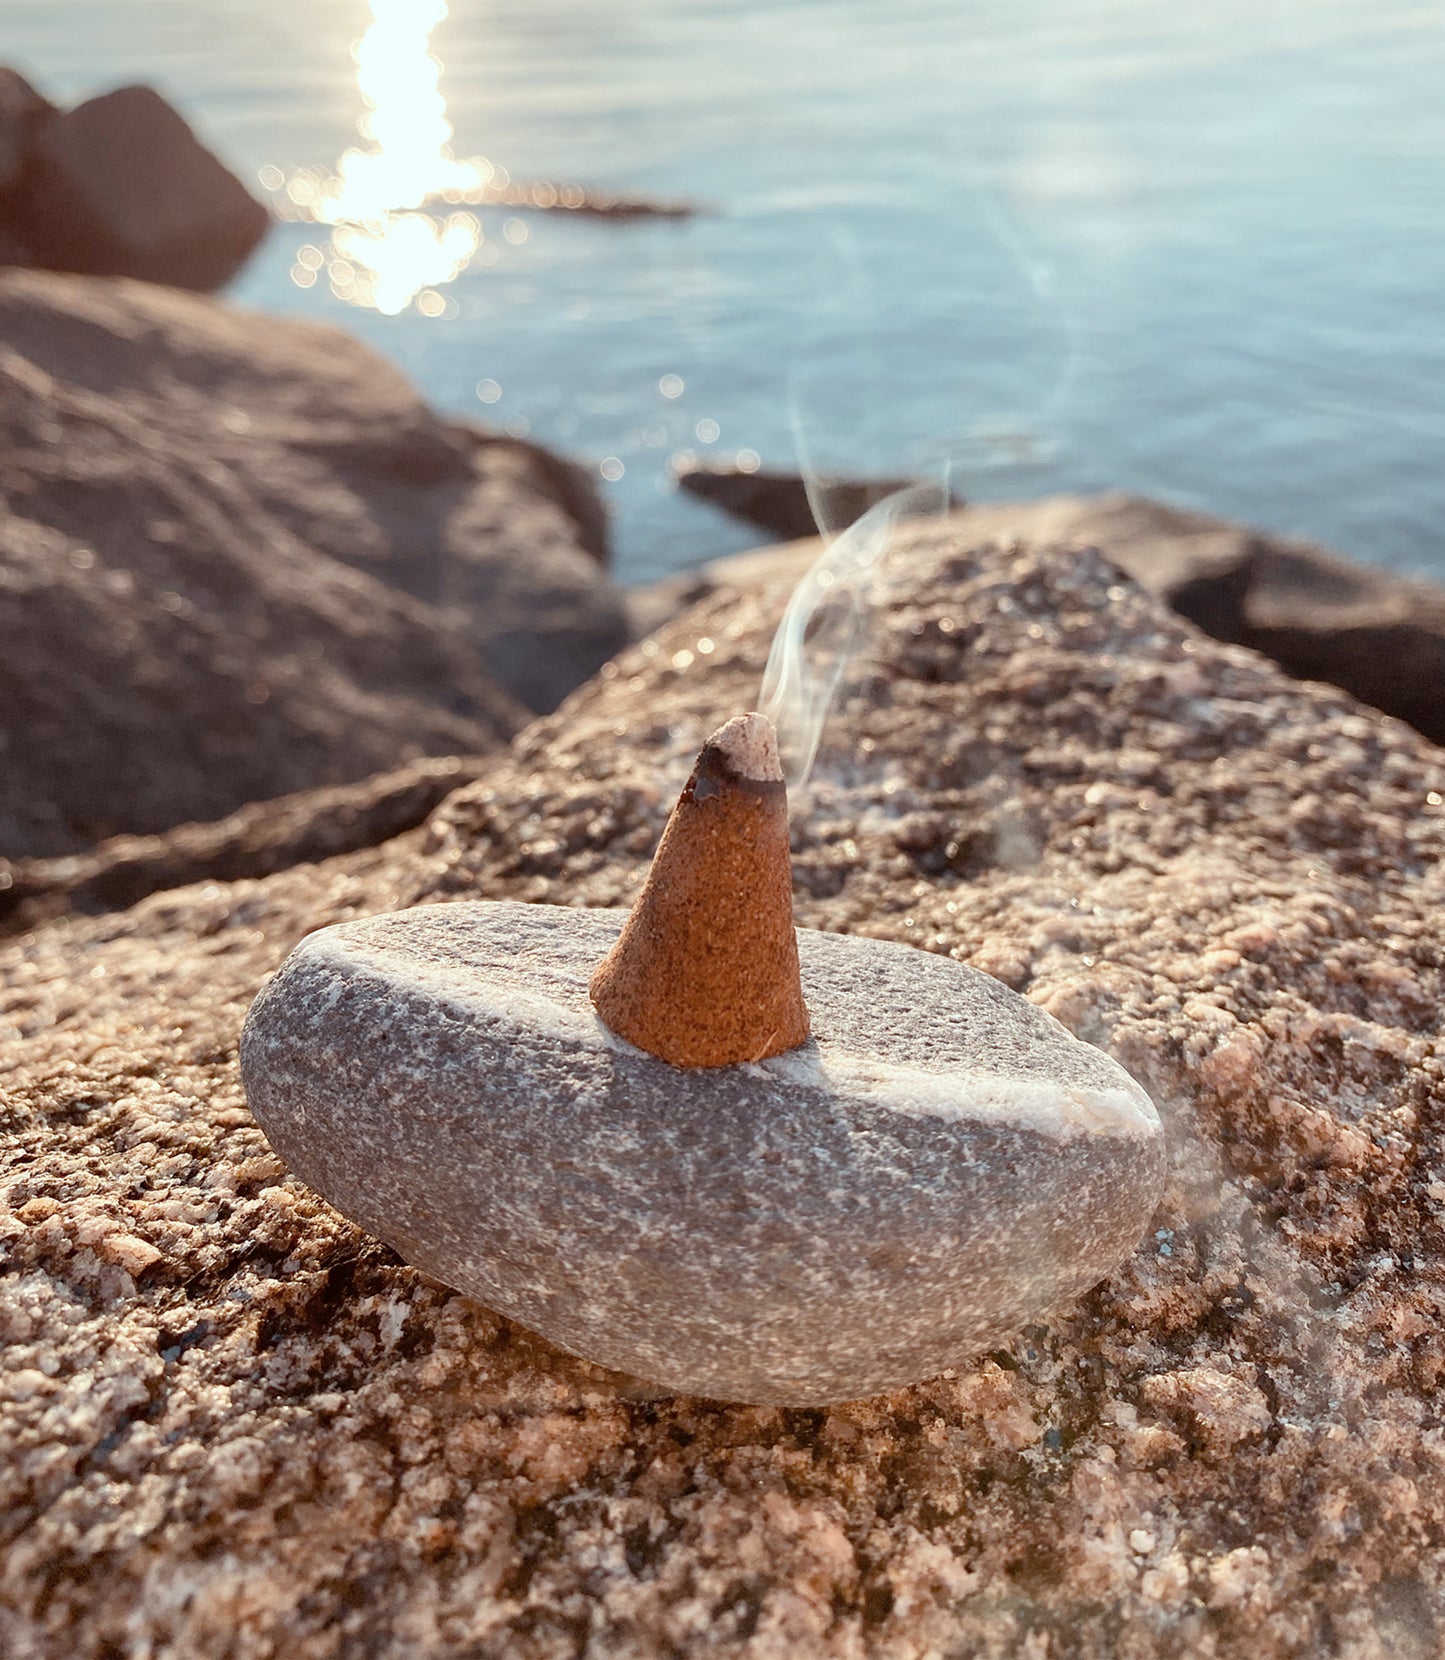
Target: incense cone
[{"x": 705, "y": 972}]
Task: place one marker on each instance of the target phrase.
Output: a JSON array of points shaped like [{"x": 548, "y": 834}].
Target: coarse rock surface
[
  {"x": 236, "y": 1427},
  {"x": 1319, "y": 615},
  {"x": 940, "y": 1165},
  {"x": 239, "y": 558}
]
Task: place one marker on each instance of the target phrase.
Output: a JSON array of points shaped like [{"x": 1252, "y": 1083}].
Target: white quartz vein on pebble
[{"x": 983, "y": 1097}]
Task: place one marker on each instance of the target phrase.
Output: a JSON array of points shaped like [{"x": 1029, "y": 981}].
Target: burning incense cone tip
[
  {"x": 749, "y": 744},
  {"x": 705, "y": 971}
]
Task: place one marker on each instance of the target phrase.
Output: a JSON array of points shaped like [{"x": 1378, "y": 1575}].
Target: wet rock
[
  {"x": 1231, "y": 882},
  {"x": 940, "y": 1165},
  {"x": 120, "y": 186},
  {"x": 778, "y": 501},
  {"x": 243, "y": 559}
]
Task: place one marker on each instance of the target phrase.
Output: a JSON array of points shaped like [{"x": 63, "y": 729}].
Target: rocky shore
[
  {"x": 237, "y": 1427},
  {"x": 1320, "y": 616},
  {"x": 280, "y": 647}
]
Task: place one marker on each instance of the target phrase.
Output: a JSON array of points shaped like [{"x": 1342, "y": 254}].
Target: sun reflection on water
[{"x": 386, "y": 252}]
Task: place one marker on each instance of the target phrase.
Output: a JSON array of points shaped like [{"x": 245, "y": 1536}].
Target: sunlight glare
[{"x": 391, "y": 251}]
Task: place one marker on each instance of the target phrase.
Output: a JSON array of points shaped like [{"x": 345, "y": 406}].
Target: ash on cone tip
[
  {"x": 705, "y": 971},
  {"x": 749, "y": 745}
]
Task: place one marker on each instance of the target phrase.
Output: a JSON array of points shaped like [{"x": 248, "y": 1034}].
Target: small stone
[{"x": 941, "y": 1164}]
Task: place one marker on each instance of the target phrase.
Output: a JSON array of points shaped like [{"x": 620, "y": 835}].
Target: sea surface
[{"x": 1196, "y": 251}]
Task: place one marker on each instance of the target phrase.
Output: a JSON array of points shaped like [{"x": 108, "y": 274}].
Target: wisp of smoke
[{"x": 824, "y": 629}]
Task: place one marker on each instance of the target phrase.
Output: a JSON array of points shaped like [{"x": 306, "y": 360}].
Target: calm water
[{"x": 1194, "y": 251}]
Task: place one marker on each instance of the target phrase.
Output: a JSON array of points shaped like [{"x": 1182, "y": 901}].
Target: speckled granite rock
[
  {"x": 941, "y": 1164},
  {"x": 234, "y": 1427}
]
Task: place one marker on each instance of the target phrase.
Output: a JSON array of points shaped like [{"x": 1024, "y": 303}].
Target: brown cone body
[{"x": 705, "y": 971}]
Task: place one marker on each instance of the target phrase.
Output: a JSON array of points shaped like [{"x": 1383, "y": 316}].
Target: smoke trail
[{"x": 825, "y": 627}]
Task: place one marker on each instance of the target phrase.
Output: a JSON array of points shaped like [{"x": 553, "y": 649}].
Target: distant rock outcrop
[
  {"x": 585, "y": 201},
  {"x": 778, "y": 502},
  {"x": 239, "y": 558},
  {"x": 119, "y": 186}
]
